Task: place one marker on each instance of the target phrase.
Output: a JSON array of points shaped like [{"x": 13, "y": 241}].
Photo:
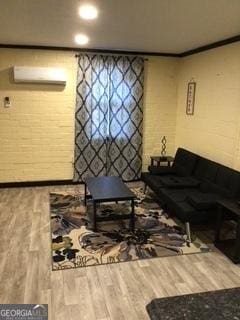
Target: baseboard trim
[{"x": 27, "y": 184}]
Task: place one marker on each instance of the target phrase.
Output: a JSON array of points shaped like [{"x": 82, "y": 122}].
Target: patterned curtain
[
  {"x": 91, "y": 117},
  {"x": 108, "y": 130},
  {"x": 125, "y": 132}
]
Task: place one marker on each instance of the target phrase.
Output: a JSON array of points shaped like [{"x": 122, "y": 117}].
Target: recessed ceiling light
[
  {"x": 88, "y": 12},
  {"x": 81, "y": 39}
]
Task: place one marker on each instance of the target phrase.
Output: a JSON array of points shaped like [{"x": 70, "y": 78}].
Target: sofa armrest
[{"x": 160, "y": 170}]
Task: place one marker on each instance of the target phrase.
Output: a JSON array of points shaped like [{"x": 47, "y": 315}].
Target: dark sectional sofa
[{"x": 191, "y": 188}]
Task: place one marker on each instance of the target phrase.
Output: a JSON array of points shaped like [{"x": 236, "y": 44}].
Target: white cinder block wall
[
  {"x": 214, "y": 129},
  {"x": 37, "y": 132},
  {"x": 160, "y": 105}
]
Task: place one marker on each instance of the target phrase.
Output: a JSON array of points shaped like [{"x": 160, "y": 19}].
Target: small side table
[
  {"x": 159, "y": 159},
  {"x": 231, "y": 247}
]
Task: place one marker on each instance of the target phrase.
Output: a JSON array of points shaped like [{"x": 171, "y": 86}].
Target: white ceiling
[{"x": 137, "y": 25}]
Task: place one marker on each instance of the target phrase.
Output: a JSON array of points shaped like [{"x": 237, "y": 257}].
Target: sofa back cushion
[
  {"x": 184, "y": 162},
  {"x": 229, "y": 180},
  {"x": 206, "y": 170},
  {"x": 216, "y": 178}
]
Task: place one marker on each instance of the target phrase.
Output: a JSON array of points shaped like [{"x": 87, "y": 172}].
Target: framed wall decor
[{"x": 190, "y": 98}]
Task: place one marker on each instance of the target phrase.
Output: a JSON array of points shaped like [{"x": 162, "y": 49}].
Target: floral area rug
[{"x": 74, "y": 244}]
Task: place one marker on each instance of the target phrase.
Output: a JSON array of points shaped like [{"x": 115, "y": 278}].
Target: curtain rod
[{"x": 115, "y": 54}]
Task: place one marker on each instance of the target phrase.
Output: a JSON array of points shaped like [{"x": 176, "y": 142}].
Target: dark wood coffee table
[{"x": 109, "y": 189}]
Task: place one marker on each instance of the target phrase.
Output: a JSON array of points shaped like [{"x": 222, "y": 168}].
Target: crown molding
[
  {"x": 123, "y": 52},
  {"x": 210, "y": 46},
  {"x": 207, "y": 47}
]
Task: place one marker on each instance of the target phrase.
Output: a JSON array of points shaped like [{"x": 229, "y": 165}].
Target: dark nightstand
[
  {"x": 230, "y": 210},
  {"x": 159, "y": 159}
]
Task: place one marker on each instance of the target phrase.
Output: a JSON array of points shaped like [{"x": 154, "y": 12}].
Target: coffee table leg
[
  {"x": 132, "y": 220},
  {"x": 94, "y": 216}
]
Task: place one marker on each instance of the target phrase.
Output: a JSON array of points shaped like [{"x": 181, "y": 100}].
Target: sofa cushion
[
  {"x": 180, "y": 170},
  {"x": 212, "y": 170},
  {"x": 201, "y": 168},
  {"x": 160, "y": 170},
  {"x": 179, "y": 182},
  {"x": 153, "y": 181},
  {"x": 229, "y": 181},
  {"x": 187, "y": 213},
  {"x": 177, "y": 195},
  {"x": 206, "y": 170},
  {"x": 184, "y": 162},
  {"x": 177, "y": 204},
  {"x": 203, "y": 201}
]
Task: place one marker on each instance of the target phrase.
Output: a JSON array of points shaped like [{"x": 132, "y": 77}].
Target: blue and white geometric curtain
[{"x": 108, "y": 126}]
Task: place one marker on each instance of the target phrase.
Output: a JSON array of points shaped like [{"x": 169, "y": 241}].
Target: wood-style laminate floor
[{"x": 117, "y": 291}]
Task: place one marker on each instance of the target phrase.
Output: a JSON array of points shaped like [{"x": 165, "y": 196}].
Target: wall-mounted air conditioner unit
[{"x": 40, "y": 75}]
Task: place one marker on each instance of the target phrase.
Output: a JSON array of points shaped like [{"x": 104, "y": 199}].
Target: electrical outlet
[{"x": 7, "y": 102}]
